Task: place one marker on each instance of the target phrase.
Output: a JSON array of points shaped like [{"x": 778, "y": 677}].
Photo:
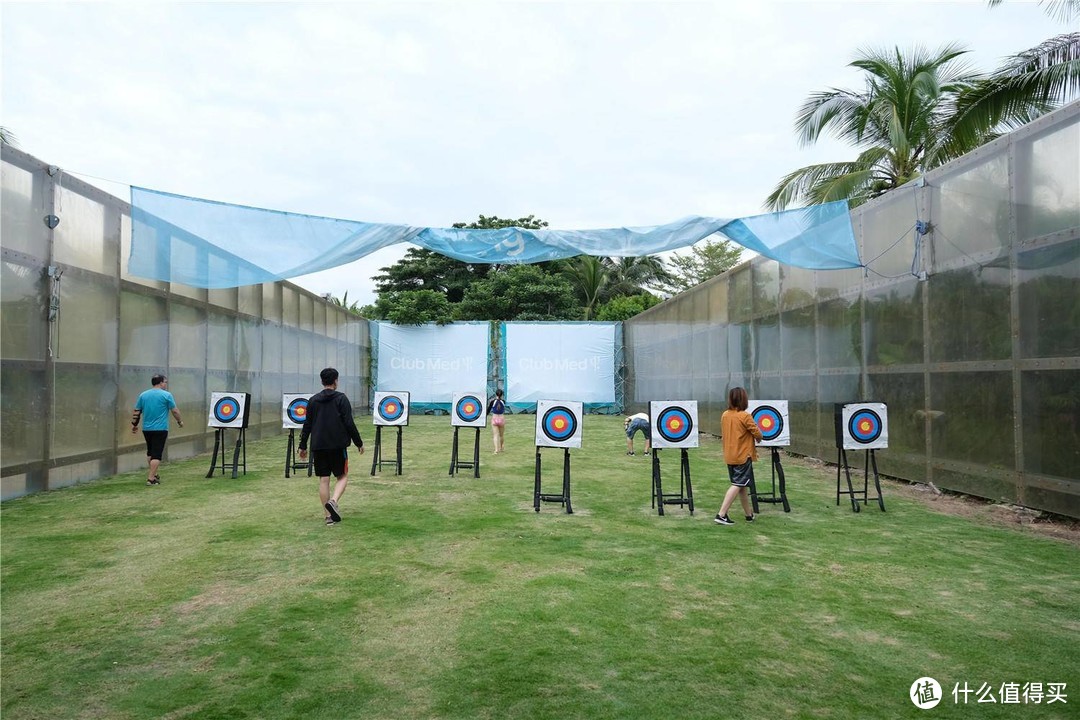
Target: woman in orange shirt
[{"x": 739, "y": 431}]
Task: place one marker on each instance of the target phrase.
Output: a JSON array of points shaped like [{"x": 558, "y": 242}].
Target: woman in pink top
[{"x": 739, "y": 432}]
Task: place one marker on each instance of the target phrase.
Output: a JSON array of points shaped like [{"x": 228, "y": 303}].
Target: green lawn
[{"x": 449, "y": 597}]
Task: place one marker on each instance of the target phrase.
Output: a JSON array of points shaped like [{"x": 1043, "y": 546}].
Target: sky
[{"x": 584, "y": 114}]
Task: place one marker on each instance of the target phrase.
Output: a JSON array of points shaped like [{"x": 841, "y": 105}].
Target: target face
[
  {"x": 558, "y": 423},
  {"x": 865, "y": 426},
  {"x": 228, "y": 410},
  {"x": 293, "y": 410},
  {"x": 391, "y": 408},
  {"x": 674, "y": 423},
  {"x": 468, "y": 410},
  {"x": 771, "y": 417}
]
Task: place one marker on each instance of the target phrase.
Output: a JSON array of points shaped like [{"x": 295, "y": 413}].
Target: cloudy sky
[{"x": 585, "y": 114}]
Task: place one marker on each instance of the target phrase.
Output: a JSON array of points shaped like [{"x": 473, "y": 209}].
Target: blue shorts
[{"x": 639, "y": 424}]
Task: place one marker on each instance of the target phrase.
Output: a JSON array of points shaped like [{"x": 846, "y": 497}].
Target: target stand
[
  {"x": 290, "y": 457},
  {"x": 456, "y": 463},
  {"x": 772, "y": 497},
  {"x": 240, "y": 452},
  {"x": 564, "y": 498},
  {"x": 860, "y": 426},
  {"x": 685, "y": 496},
  {"x": 376, "y": 456},
  {"x": 858, "y": 496}
]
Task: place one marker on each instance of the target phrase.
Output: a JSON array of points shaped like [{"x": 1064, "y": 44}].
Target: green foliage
[
  {"x": 632, "y": 275},
  {"x": 411, "y": 307},
  {"x": 520, "y": 292},
  {"x": 449, "y": 597},
  {"x": 706, "y": 260},
  {"x": 586, "y": 274},
  {"x": 343, "y": 303},
  {"x": 422, "y": 269},
  {"x": 625, "y": 307},
  {"x": 494, "y": 222}
]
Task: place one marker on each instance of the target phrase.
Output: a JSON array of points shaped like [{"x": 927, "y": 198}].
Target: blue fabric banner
[{"x": 210, "y": 244}]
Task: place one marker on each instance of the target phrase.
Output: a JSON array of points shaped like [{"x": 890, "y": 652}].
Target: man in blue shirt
[{"x": 153, "y": 408}]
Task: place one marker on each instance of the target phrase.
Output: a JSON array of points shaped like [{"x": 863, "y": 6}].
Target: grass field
[{"x": 449, "y": 597}]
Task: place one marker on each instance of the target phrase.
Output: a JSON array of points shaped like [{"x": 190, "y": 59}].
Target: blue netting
[{"x": 209, "y": 244}]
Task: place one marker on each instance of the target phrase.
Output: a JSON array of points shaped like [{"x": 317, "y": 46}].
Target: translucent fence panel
[
  {"x": 967, "y": 326},
  {"x": 69, "y": 383}
]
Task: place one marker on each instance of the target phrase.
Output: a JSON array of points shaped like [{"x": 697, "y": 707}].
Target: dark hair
[
  {"x": 329, "y": 376},
  {"x": 737, "y": 399},
  {"x": 498, "y": 393},
  {"x": 157, "y": 379}
]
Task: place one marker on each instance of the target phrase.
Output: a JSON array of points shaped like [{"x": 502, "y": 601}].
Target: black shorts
[
  {"x": 331, "y": 462},
  {"x": 741, "y": 475},
  {"x": 155, "y": 442}
]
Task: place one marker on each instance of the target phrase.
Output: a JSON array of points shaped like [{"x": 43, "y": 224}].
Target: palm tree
[
  {"x": 1038, "y": 79},
  {"x": 899, "y": 120},
  {"x": 587, "y": 275},
  {"x": 632, "y": 275}
]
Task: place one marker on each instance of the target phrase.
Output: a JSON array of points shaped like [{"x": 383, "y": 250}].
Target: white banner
[
  {"x": 431, "y": 362},
  {"x": 555, "y": 361}
]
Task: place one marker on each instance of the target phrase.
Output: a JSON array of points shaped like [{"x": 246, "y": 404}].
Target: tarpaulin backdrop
[
  {"x": 431, "y": 362},
  {"x": 210, "y": 244},
  {"x": 561, "y": 361}
]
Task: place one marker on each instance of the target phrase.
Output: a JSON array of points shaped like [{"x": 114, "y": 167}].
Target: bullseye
[
  {"x": 675, "y": 424},
  {"x": 226, "y": 409},
  {"x": 391, "y": 408},
  {"x": 297, "y": 410},
  {"x": 769, "y": 420},
  {"x": 865, "y": 426},
  {"x": 559, "y": 423}
]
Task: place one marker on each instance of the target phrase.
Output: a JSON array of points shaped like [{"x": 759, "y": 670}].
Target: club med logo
[
  {"x": 400, "y": 363},
  {"x": 925, "y": 693},
  {"x": 561, "y": 365}
]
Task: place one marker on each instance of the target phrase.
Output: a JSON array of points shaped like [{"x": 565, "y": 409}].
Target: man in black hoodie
[{"x": 330, "y": 425}]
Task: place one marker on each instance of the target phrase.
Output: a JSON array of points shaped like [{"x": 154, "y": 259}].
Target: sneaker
[
  {"x": 332, "y": 508},
  {"x": 723, "y": 520},
  {"x": 154, "y": 481},
  {"x": 749, "y": 518},
  {"x": 330, "y": 520},
  {"x": 629, "y": 453}
]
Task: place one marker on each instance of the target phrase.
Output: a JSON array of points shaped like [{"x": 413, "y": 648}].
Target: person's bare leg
[
  {"x": 154, "y": 465},
  {"x": 339, "y": 487},
  {"x": 744, "y": 498},
  {"x": 729, "y": 497},
  {"x": 324, "y": 492}
]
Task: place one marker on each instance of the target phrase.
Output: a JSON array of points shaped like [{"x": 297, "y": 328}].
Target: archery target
[
  {"x": 391, "y": 408},
  {"x": 293, "y": 410},
  {"x": 771, "y": 417},
  {"x": 674, "y": 423},
  {"x": 558, "y": 423},
  {"x": 229, "y": 410},
  {"x": 468, "y": 410},
  {"x": 865, "y": 426}
]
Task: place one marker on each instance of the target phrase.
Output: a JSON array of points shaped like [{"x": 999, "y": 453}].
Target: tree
[
  {"x": 344, "y": 304},
  {"x": 422, "y": 269},
  {"x": 625, "y": 307},
  {"x": 633, "y": 275},
  {"x": 706, "y": 260},
  {"x": 898, "y": 120},
  {"x": 587, "y": 275},
  {"x": 7, "y": 137},
  {"x": 410, "y": 307},
  {"x": 1042, "y": 77},
  {"x": 520, "y": 292}
]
